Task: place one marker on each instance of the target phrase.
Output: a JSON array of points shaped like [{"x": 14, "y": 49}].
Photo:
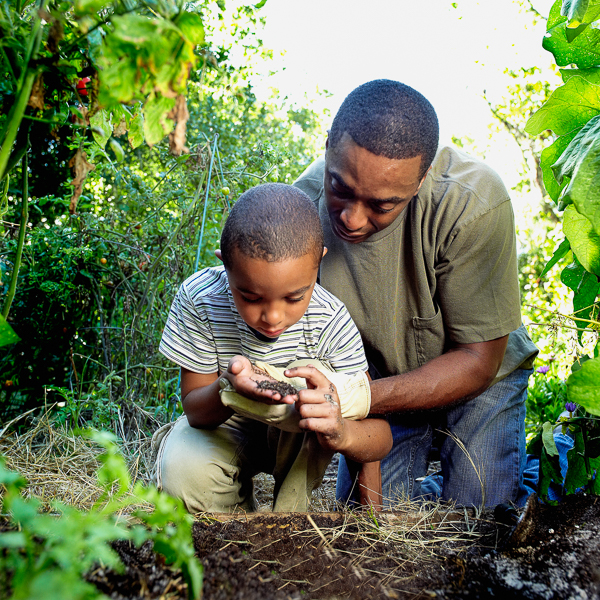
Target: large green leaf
[
  {"x": 191, "y": 26},
  {"x": 561, "y": 251},
  {"x": 569, "y": 107},
  {"x": 156, "y": 123},
  {"x": 580, "y": 162},
  {"x": 577, "y": 472},
  {"x": 592, "y": 75},
  {"x": 7, "y": 334},
  {"x": 101, "y": 127},
  {"x": 582, "y": 49},
  {"x": 584, "y": 188},
  {"x": 583, "y": 386},
  {"x": 135, "y": 134},
  {"x": 585, "y": 290},
  {"x": 585, "y": 242},
  {"x": 549, "y": 156},
  {"x": 579, "y": 12}
]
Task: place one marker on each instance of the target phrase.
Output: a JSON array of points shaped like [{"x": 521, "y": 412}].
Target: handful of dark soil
[{"x": 285, "y": 389}]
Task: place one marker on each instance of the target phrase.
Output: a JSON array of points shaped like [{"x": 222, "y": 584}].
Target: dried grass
[{"x": 60, "y": 464}]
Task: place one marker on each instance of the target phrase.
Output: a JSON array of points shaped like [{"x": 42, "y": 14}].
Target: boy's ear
[
  {"x": 324, "y": 252},
  {"x": 218, "y": 255}
]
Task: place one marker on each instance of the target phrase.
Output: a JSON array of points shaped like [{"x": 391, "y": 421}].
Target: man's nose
[{"x": 353, "y": 216}]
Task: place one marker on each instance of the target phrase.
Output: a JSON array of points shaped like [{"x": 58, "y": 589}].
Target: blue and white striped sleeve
[
  {"x": 341, "y": 344},
  {"x": 187, "y": 339}
]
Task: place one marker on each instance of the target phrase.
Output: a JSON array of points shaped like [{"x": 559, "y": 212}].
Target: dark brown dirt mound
[{"x": 553, "y": 554}]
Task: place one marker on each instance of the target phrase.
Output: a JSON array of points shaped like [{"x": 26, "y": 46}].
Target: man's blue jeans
[{"x": 482, "y": 452}]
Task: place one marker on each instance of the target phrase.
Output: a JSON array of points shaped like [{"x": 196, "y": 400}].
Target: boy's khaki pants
[{"x": 212, "y": 469}]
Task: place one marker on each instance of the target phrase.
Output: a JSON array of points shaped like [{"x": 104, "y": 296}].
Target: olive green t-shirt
[{"x": 444, "y": 272}]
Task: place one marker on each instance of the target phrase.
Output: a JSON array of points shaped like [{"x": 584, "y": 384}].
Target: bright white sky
[{"x": 450, "y": 54}]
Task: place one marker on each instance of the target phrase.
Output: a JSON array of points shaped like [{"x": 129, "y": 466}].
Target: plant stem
[{"x": 21, "y": 241}]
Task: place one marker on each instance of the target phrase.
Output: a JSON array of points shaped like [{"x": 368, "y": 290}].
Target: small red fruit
[
  {"x": 161, "y": 396},
  {"x": 8, "y": 383},
  {"x": 103, "y": 260},
  {"x": 82, "y": 86}
]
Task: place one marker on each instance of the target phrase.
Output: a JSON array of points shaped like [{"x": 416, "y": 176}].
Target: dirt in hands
[{"x": 285, "y": 389}]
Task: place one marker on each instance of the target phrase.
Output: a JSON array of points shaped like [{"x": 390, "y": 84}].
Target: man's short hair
[
  {"x": 272, "y": 222},
  {"x": 389, "y": 119}
]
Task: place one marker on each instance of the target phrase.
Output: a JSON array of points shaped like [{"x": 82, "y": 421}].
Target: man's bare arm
[{"x": 462, "y": 373}]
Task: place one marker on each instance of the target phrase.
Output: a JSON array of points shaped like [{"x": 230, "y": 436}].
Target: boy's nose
[{"x": 272, "y": 316}]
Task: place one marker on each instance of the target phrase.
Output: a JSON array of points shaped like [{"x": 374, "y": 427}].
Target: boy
[{"x": 263, "y": 305}]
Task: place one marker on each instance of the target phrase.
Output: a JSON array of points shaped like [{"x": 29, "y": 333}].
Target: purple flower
[
  {"x": 543, "y": 369},
  {"x": 571, "y": 407}
]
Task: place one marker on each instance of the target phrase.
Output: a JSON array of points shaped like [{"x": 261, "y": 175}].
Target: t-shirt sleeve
[
  {"x": 477, "y": 279},
  {"x": 341, "y": 345},
  {"x": 187, "y": 338}
]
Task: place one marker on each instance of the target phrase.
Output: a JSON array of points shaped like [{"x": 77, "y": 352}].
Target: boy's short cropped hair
[{"x": 272, "y": 222}]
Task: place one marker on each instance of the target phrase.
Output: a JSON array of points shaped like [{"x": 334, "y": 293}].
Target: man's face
[{"x": 364, "y": 192}]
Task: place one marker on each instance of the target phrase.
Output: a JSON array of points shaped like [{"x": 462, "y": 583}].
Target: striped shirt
[{"x": 204, "y": 330}]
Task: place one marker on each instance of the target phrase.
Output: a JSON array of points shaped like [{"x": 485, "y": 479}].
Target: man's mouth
[{"x": 346, "y": 234}]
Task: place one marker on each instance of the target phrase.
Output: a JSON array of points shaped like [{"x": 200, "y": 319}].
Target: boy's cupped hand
[
  {"x": 244, "y": 377},
  {"x": 319, "y": 407}
]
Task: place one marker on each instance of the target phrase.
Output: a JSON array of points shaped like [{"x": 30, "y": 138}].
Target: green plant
[
  {"x": 571, "y": 168},
  {"x": 44, "y": 556},
  {"x": 546, "y": 398}
]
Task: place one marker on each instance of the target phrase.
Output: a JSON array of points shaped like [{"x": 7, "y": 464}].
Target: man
[{"x": 422, "y": 251}]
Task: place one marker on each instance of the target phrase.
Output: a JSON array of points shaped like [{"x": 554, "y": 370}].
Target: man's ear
[
  {"x": 422, "y": 180},
  {"x": 218, "y": 255},
  {"x": 327, "y": 141}
]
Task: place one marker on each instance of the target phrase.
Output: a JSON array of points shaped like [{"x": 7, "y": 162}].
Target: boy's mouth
[{"x": 275, "y": 333}]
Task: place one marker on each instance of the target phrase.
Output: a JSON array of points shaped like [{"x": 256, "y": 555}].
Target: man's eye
[
  {"x": 340, "y": 191},
  {"x": 379, "y": 209}
]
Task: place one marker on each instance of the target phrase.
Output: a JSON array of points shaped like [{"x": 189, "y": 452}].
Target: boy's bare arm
[
  {"x": 201, "y": 401},
  {"x": 362, "y": 441}
]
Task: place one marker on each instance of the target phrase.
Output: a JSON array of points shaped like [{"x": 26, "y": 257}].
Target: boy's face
[{"x": 272, "y": 296}]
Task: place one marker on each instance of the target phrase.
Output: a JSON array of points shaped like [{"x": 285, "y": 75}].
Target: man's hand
[
  {"x": 244, "y": 377},
  {"x": 319, "y": 407}
]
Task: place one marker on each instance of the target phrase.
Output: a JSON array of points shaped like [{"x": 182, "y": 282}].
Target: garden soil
[{"x": 553, "y": 553}]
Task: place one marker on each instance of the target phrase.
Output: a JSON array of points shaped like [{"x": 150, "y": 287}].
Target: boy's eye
[
  {"x": 296, "y": 299},
  {"x": 251, "y": 300}
]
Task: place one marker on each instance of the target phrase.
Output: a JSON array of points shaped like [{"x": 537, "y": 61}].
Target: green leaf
[
  {"x": 587, "y": 138},
  {"x": 7, "y": 334},
  {"x": 585, "y": 242},
  {"x": 549, "y": 473},
  {"x": 584, "y": 299},
  {"x": 101, "y": 127},
  {"x": 583, "y": 49},
  {"x": 156, "y": 123},
  {"x": 555, "y": 17},
  {"x": 12, "y": 539},
  {"x": 576, "y": 472},
  {"x": 135, "y": 135},
  {"x": 549, "y": 156},
  {"x": 89, "y": 7},
  {"x": 117, "y": 150},
  {"x": 548, "y": 439},
  {"x": 584, "y": 188},
  {"x": 579, "y": 12},
  {"x": 561, "y": 251},
  {"x": 570, "y": 106},
  {"x": 592, "y": 75},
  {"x": 583, "y": 387},
  {"x": 191, "y": 26}
]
